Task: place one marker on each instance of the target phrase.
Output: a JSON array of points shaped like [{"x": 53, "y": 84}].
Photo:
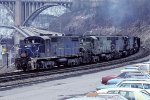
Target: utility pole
[
  {"x": 7, "y": 58},
  {"x": 7, "y": 53}
]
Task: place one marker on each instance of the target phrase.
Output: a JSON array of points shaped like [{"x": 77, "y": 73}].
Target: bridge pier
[{"x": 18, "y": 13}]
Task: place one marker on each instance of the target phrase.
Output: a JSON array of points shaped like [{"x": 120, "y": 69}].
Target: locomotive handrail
[{"x": 38, "y": 49}]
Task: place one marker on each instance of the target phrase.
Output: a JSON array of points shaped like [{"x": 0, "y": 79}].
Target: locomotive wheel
[
  {"x": 80, "y": 60},
  {"x": 18, "y": 66},
  {"x": 24, "y": 69},
  {"x": 38, "y": 66}
]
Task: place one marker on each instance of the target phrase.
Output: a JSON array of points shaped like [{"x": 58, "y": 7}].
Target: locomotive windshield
[{"x": 32, "y": 46}]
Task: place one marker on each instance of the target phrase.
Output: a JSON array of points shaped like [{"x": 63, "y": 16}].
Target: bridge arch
[{"x": 33, "y": 16}]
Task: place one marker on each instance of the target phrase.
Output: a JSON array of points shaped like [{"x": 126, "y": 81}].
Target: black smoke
[
  {"x": 122, "y": 12},
  {"x": 118, "y": 14}
]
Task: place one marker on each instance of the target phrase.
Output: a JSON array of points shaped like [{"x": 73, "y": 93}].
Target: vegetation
[{"x": 107, "y": 17}]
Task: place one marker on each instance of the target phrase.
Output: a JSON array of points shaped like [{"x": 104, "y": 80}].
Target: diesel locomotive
[{"x": 45, "y": 52}]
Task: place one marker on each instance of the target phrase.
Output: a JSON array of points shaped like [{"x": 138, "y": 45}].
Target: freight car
[{"x": 44, "y": 52}]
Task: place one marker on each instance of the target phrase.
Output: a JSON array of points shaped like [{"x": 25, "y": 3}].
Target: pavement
[
  {"x": 58, "y": 89},
  {"x": 7, "y": 69}
]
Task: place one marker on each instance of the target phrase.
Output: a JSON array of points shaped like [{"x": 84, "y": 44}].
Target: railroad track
[{"x": 12, "y": 80}]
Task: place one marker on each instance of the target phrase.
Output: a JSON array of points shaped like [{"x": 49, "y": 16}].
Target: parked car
[
  {"x": 129, "y": 93},
  {"x": 130, "y": 76},
  {"x": 136, "y": 83},
  {"x": 130, "y": 68},
  {"x": 144, "y": 67},
  {"x": 96, "y": 96},
  {"x": 121, "y": 75}
]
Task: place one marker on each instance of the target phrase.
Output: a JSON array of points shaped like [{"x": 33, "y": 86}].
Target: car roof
[
  {"x": 129, "y": 70},
  {"x": 125, "y": 89},
  {"x": 134, "y": 79},
  {"x": 136, "y": 65},
  {"x": 131, "y": 66},
  {"x": 139, "y": 74},
  {"x": 118, "y": 80},
  {"x": 139, "y": 64},
  {"x": 138, "y": 81}
]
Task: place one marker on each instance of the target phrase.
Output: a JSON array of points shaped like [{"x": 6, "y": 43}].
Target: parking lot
[{"x": 59, "y": 89}]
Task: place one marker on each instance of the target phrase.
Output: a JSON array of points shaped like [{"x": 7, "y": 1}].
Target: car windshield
[
  {"x": 146, "y": 86},
  {"x": 124, "y": 74}
]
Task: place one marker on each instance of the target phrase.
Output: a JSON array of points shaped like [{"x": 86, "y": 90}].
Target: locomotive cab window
[
  {"x": 33, "y": 40},
  {"x": 98, "y": 38},
  {"x": 37, "y": 41},
  {"x": 108, "y": 38},
  {"x": 88, "y": 39},
  {"x": 27, "y": 41}
]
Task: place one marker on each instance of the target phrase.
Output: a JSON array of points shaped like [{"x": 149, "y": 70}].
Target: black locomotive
[{"x": 44, "y": 52}]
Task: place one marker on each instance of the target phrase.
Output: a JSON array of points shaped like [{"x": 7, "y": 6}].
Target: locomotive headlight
[{"x": 23, "y": 55}]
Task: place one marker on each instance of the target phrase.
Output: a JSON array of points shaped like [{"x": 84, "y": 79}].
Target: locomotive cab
[
  {"x": 34, "y": 46},
  {"x": 89, "y": 46}
]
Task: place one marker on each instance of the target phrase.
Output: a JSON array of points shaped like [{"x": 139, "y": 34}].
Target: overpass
[{"x": 22, "y": 9}]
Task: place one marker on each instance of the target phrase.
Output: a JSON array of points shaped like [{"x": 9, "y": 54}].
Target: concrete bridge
[{"x": 22, "y": 9}]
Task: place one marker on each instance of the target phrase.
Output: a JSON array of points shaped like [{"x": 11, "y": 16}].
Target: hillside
[{"x": 112, "y": 17}]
